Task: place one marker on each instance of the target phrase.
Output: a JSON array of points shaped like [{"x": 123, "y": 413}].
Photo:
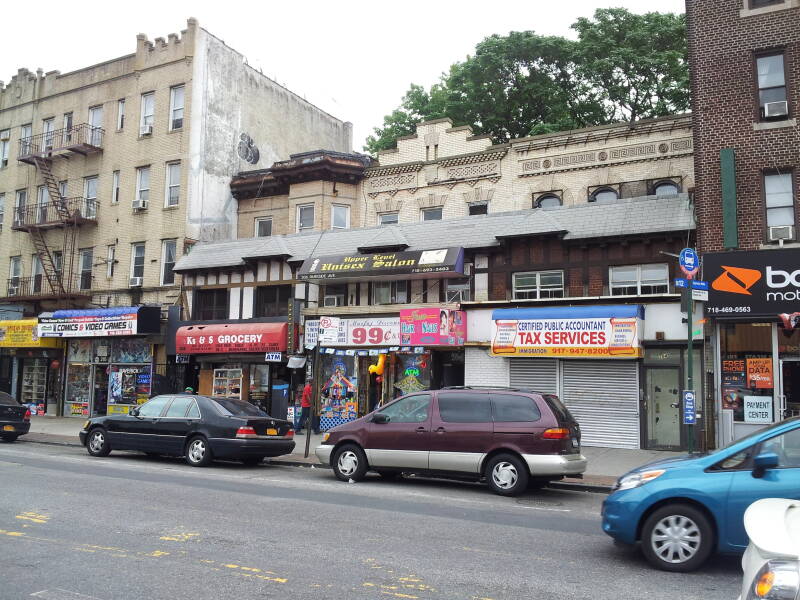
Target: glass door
[
  {"x": 662, "y": 408},
  {"x": 790, "y": 389}
]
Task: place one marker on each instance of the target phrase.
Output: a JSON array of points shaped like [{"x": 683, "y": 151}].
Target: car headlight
[
  {"x": 634, "y": 480},
  {"x": 776, "y": 580},
  {"x": 325, "y": 437}
]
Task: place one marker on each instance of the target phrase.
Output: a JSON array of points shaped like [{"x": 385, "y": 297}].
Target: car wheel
[
  {"x": 198, "y": 452},
  {"x": 349, "y": 462},
  {"x": 506, "y": 475},
  {"x": 97, "y": 442},
  {"x": 252, "y": 461},
  {"x": 10, "y": 438},
  {"x": 677, "y": 537}
]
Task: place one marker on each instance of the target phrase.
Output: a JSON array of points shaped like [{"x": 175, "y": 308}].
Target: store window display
[{"x": 748, "y": 382}]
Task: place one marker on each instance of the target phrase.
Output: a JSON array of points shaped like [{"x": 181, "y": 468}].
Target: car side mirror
[
  {"x": 380, "y": 418},
  {"x": 764, "y": 461},
  {"x": 134, "y": 412}
]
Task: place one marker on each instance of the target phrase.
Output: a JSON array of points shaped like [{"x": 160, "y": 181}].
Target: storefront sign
[
  {"x": 273, "y": 357},
  {"x": 759, "y": 373},
  {"x": 101, "y": 322},
  {"x": 328, "y": 329},
  {"x": 588, "y": 332},
  {"x": 358, "y": 332},
  {"x": 433, "y": 327},
  {"x": 23, "y": 333},
  {"x": 756, "y": 284},
  {"x": 758, "y": 409},
  {"x": 220, "y": 339},
  {"x": 419, "y": 264}
]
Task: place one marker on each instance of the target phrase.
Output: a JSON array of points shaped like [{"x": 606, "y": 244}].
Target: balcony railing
[
  {"x": 51, "y": 214},
  {"x": 83, "y": 138},
  {"x": 37, "y": 286}
]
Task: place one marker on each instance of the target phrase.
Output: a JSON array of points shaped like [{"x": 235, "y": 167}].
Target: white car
[{"x": 771, "y": 562}]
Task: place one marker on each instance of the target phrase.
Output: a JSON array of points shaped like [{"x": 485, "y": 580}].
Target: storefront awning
[
  {"x": 101, "y": 322},
  {"x": 22, "y": 333},
  {"x": 244, "y": 337},
  {"x": 420, "y": 264}
]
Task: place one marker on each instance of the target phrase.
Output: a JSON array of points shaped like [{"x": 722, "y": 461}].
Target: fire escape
[{"x": 52, "y": 211}]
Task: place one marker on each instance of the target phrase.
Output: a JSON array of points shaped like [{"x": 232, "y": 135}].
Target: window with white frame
[
  {"x": 42, "y": 203},
  {"x": 137, "y": 260},
  {"x": 168, "y": 249},
  {"x": 115, "y": 187},
  {"x": 147, "y": 119},
  {"x": 779, "y": 199},
  {"x": 14, "y": 272},
  {"x": 143, "y": 184},
  {"x": 62, "y": 188},
  {"x": 25, "y": 133},
  {"x": 96, "y": 125},
  {"x": 390, "y": 292},
  {"x": 5, "y": 143},
  {"x": 536, "y": 285},
  {"x": 431, "y": 214},
  {"x": 120, "y": 114},
  {"x": 340, "y": 216},
  {"x": 391, "y": 218},
  {"x": 457, "y": 290},
  {"x": 263, "y": 227},
  {"x": 2, "y": 209},
  {"x": 172, "y": 187},
  {"x": 58, "y": 260},
  {"x": 90, "y": 195},
  {"x": 48, "y": 129},
  {"x": 305, "y": 217},
  {"x": 111, "y": 257},
  {"x": 176, "y": 107},
  {"x": 635, "y": 280},
  {"x": 20, "y": 200},
  {"x": 86, "y": 258},
  {"x": 37, "y": 273},
  {"x": 67, "y": 135}
]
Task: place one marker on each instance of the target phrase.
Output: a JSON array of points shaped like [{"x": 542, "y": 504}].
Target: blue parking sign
[{"x": 689, "y": 414}]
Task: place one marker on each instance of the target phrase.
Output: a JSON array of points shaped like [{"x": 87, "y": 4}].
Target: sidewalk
[{"x": 605, "y": 464}]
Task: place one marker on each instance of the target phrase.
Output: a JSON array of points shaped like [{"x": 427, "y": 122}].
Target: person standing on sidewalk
[{"x": 305, "y": 408}]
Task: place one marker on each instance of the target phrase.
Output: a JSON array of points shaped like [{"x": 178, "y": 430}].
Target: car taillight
[
  {"x": 27, "y": 416},
  {"x": 289, "y": 434},
  {"x": 246, "y": 432},
  {"x": 556, "y": 433}
]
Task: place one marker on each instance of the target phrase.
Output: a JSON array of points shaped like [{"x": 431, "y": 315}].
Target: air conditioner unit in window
[
  {"x": 135, "y": 282},
  {"x": 333, "y": 301},
  {"x": 13, "y": 290},
  {"x": 776, "y": 109},
  {"x": 781, "y": 232},
  {"x": 140, "y": 204},
  {"x": 146, "y": 130}
]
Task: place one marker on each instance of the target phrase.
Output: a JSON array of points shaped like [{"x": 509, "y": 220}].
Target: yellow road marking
[
  {"x": 179, "y": 537},
  {"x": 32, "y": 516},
  {"x": 399, "y": 595},
  {"x": 11, "y": 533}
]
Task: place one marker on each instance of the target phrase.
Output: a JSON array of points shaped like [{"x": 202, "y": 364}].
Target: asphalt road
[{"x": 125, "y": 527}]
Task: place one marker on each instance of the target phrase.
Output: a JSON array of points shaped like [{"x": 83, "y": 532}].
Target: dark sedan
[
  {"x": 198, "y": 428},
  {"x": 15, "y": 418}
]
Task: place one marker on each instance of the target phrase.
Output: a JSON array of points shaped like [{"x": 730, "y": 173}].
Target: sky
[{"x": 351, "y": 58}]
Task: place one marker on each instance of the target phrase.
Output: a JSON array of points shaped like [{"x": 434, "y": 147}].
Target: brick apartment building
[{"x": 745, "y": 67}]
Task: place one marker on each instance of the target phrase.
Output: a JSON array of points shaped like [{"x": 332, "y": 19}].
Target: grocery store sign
[{"x": 358, "y": 332}]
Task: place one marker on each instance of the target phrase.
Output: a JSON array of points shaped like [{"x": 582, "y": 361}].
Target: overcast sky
[{"x": 353, "y": 59}]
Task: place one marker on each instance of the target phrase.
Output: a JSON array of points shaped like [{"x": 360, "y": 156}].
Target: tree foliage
[{"x": 623, "y": 66}]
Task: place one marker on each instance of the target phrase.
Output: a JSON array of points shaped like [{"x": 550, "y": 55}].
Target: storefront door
[
  {"x": 662, "y": 408},
  {"x": 790, "y": 388}
]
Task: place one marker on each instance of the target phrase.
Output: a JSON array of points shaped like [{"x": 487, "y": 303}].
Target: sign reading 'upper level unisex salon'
[{"x": 419, "y": 264}]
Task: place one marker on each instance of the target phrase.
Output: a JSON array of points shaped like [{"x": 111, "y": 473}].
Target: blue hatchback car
[{"x": 683, "y": 509}]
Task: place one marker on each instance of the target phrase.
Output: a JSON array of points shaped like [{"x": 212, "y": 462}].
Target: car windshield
[
  {"x": 8, "y": 400},
  {"x": 238, "y": 408}
]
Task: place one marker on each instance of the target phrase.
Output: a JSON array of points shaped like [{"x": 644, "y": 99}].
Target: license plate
[
  {"x": 272, "y": 432},
  {"x": 574, "y": 443},
  {"x": 8, "y": 428}
]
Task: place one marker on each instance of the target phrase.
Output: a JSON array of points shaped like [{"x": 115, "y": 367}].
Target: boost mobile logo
[{"x": 736, "y": 280}]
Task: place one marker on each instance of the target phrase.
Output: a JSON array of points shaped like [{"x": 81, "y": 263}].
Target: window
[
  {"x": 62, "y": 189},
  {"x": 147, "y": 118},
  {"x": 96, "y": 125},
  {"x": 179, "y": 407},
  {"x": 58, "y": 260},
  {"x": 143, "y": 184},
  {"x": 413, "y": 409},
  {"x": 14, "y": 272},
  {"x": 263, "y": 227},
  {"x": 154, "y": 407},
  {"x": 176, "y": 107},
  {"x": 305, "y": 217},
  {"x": 604, "y": 196},
  {"x": 193, "y": 412},
  {"x": 111, "y": 254},
  {"x": 25, "y": 133},
  {"x": 67, "y": 128},
  {"x": 779, "y": 199},
  {"x": 173, "y": 185},
  {"x": 5, "y": 142},
  {"x": 120, "y": 114},
  {"x": 431, "y": 214},
  {"x": 210, "y": 305},
  {"x": 86, "y": 258},
  {"x": 457, "y": 290},
  {"x": 465, "y": 407},
  {"x": 538, "y": 284},
  {"x": 272, "y": 301},
  {"x": 48, "y": 127},
  {"x": 388, "y": 218},
  {"x": 478, "y": 209},
  {"x": 634, "y": 280},
  {"x": 548, "y": 201},
  {"x": 42, "y": 203},
  {"x": 340, "y": 216},
  {"x": 37, "y": 271},
  {"x": 168, "y": 250},
  {"x": 515, "y": 409},
  {"x": 390, "y": 292},
  {"x": 2, "y": 210},
  {"x": 90, "y": 195},
  {"x": 335, "y": 295},
  {"x": 115, "y": 187},
  {"x": 666, "y": 188},
  {"x": 762, "y": 3},
  {"x": 137, "y": 260},
  {"x": 20, "y": 200},
  {"x": 771, "y": 87}
]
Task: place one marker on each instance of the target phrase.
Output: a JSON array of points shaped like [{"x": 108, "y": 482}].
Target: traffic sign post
[{"x": 690, "y": 264}]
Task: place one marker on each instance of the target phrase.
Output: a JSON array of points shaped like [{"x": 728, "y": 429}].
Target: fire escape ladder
[
  {"x": 43, "y": 165},
  {"x": 68, "y": 263},
  {"x": 48, "y": 264}
]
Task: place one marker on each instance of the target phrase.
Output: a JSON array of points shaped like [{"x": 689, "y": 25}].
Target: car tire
[
  {"x": 198, "y": 452},
  {"x": 252, "y": 461},
  {"x": 349, "y": 462},
  {"x": 97, "y": 442},
  {"x": 506, "y": 475},
  {"x": 677, "y": 537},
  {"x": 9, "y": 438}
]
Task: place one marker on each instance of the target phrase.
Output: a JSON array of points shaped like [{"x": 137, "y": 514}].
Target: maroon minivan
[{"x": 511, "y": 437}]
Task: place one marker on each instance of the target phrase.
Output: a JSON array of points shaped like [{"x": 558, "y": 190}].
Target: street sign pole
[{"x": 690, "y": 362}]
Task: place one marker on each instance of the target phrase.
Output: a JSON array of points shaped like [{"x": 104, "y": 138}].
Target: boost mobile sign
[{"x": 762, "y": 283}]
